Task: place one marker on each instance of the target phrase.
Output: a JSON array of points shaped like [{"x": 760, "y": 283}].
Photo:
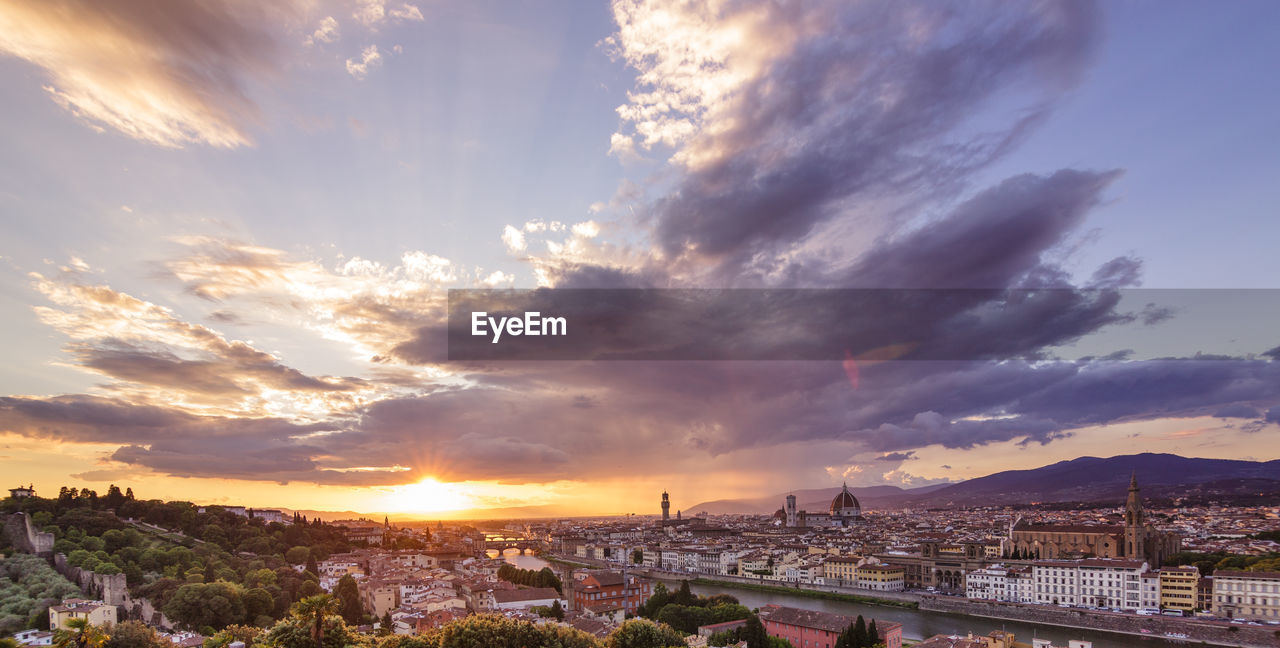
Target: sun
[{"x": 426, "y": 496}]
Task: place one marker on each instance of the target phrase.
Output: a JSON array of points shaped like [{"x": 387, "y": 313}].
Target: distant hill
[
  {"x": 1092, "y": 478},
  {"x": 1084, "y": 479}
]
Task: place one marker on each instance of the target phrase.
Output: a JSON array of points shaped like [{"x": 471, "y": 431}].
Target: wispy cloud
[
  {"x": 169, "y": 73},
  {"x": 369, "y": 58}
]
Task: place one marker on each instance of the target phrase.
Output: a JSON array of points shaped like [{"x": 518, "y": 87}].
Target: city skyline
[{"x": 228, "y": 232}]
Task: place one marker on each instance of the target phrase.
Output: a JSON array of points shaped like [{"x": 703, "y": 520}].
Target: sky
[{"x": 227, "y": 232}]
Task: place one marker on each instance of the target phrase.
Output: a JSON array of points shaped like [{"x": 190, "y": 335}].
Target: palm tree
[{"x": 314, "y": 609}]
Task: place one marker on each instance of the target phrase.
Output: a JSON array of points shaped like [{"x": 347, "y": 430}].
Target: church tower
[
  {"x": 791, "y": 510},
  {"x": 1135, "y": 524},
  {"x": 666, "y": 506}
]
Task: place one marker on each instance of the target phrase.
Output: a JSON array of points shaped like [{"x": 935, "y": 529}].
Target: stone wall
[
  {"x": 109, "y": 588},
  {"x": 25, "y": 538},
  {"x": 1197, "y": 630},
  {"x": 112, "y": 589}
]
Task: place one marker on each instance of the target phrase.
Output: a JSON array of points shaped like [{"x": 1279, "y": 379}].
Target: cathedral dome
[{"x": 845, "y": 503}]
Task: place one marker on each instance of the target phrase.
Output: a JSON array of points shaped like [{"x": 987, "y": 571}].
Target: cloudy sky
[{"x": 227, "y": 231}]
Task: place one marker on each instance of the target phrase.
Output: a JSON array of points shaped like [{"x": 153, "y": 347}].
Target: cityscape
[{"x": 639, "y": 324}]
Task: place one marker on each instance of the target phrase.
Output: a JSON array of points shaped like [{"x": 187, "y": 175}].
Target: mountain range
[{"x": 1084, "y": 479}]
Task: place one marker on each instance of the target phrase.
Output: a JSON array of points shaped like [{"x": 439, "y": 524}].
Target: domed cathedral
[
  {"x": 1134, "y": 540},
  {"x": 845, "y": 511}
]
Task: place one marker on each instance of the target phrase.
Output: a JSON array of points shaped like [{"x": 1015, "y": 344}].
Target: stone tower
[
  {"x": 666, "y": 506},
  {"x": 1135, "y": 523},
  {"x": 791, "y": 510}
]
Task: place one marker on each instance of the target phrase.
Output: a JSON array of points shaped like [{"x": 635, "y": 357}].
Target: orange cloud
[{"x": 169, "y": 73}]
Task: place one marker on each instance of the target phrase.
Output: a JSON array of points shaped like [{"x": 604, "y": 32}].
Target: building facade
[
  {"x": 814, "y": 629},
  {"x": 95, "y": 612},
  {"x": 1136, "y": 539},
  {"x": 1178, "y": 588},
  {"x": 1093, "y": 582},
  {"x": 611, "y": 588},
  {"x": 1246, "y": 595},
  {"x": 845, "y": 511}
]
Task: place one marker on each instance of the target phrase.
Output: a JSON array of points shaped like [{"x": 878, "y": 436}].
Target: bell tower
[
  {"x": 666, "y": 506},
  {"x": 1135, "y": 523}
]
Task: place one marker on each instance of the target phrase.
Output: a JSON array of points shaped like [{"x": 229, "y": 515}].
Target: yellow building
[
  {"x": 880, "y": 577},
  {"x": 840, "y": 570},
  {"x": 96, "y": 613},
  {"x": 1178, "y": 588}
]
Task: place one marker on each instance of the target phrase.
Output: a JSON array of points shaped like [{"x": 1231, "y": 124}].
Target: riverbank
[
  {"x": 808, "y": 593},
  {"x": 1215, "y": 633},
  {"x": 827, "y": 592}
]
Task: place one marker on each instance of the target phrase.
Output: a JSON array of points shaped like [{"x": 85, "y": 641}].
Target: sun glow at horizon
[{"x": 426, "y": 496}]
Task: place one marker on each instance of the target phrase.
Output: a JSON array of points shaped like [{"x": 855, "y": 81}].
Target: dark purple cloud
[{"x": 868, "y": 109}]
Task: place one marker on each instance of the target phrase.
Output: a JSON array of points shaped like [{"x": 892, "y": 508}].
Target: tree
[
  {"x": 684, "y": 596},
  {"x": 313, "y": 610},
  {"x": 134, "y": 634},
  {"x": 79, "y": 634},
  {"x": 860, "y": 633},
  {"x": 248, "y": 634},
  {"x": 349, "y": 600},
  {"x": 384, "y": 626},
  {"x": 642, "y": 633},
  {"x": 196, "y": 605},
  {"x": 660, "y": 598},
  {"x": 753, "y": 633},
  {"x": 873, "y": 634},
  {"x": 557, "y": 610},
  {"x": 311, "y": 565},
  {"x": 637, "y": 556}
]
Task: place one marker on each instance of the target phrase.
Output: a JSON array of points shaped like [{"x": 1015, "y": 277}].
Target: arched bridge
[{"x": 503, "y": 543}]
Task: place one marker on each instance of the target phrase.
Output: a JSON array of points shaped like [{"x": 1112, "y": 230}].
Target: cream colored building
[
  {"x": 96, "y": 613},
  {"x": 1247, "y": 595}
]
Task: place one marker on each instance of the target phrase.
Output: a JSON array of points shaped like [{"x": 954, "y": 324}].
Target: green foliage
[
  {"x": 94, "y": 534},
  {"x": 349, "y": 600},
  {"x": 250, "y": 635},
  {"x": 1208, "y": 563},
  {"x": 754, "y": 634},
  {"x": 531, "y": 578},
  {"x": 298, "y": 633},
  {"x": 134, "y": 634},
  {"x": 494, "y": 631},
  {"x": 684, "y": 596},
  {"x": 642, "y": 633},
  {"x": 859, "y": 635},
  {"x": 28, "y": 586},
  {"x": 298, "y": 555},
  {"x": 196, "y": 605}
]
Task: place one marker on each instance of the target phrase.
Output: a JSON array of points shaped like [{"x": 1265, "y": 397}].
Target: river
[
  {"x": 526, "y": 561},
  {"x": 918, "y": 625}
]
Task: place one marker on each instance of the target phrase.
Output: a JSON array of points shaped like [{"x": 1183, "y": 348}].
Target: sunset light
[
  {"x": 425, "y": 496},
  {"x": 402, "y": 324}
]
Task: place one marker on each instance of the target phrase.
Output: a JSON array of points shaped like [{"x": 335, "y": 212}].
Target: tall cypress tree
[
  {"x": 754, "y": 633},
  {"x": 859, "y": 638},
  {"x": 873, "y": 634}
]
